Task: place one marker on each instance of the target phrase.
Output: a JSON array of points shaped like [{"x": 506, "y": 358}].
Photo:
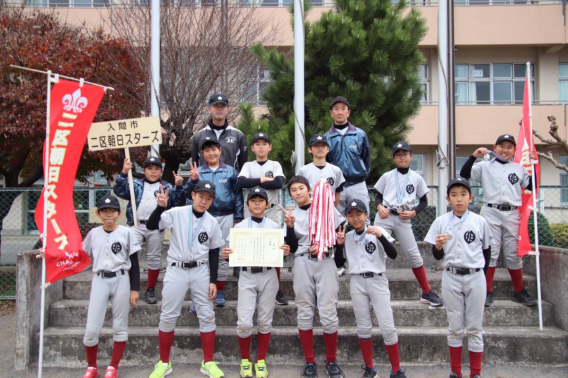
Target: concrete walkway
[{"x": 7, "y": 337}]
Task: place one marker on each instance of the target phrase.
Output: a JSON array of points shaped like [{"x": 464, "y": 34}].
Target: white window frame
[
  {"x": 563, "y": 188},
  {"x": 492, "y": 80},
  {"x": 422, "y": 158},
  {"x": 425, "y": 81},
  {"x": 561, "y": 79}
]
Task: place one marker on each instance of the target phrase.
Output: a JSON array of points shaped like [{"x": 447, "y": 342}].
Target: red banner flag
[
  {"x": 72, "y": 110},
  {"x": 522, "y": 156}
]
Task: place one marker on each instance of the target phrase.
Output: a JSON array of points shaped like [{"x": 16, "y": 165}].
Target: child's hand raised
[
  {"x": 193, "y": 174},
  {"x": 289, "y": 218},
  {"x": 341, "y": 235},
  {"x": 162, "y": 197},
  {"x": 178, "y": 180},
  {"x": 126, "y": 166}
]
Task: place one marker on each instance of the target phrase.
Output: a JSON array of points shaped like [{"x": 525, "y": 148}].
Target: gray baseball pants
[
  {"x": 504, "y": 226},
  {"x": 403, "y": 230},
  {"x": 154, "y": 240},
  {"x": 256, "y": 292}
]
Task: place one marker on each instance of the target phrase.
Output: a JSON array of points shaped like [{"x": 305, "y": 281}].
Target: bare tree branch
[
  {"x": 548, "y": 156},
  {"x": 558, "y": 141}
]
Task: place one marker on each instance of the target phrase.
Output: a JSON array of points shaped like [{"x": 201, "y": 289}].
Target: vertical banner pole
[
  {"x": 299, "y": 140},
  {"x": 535, "y": 218},
  {"x": 44, "y": 233},
  {"x": 131, "y": 186}
]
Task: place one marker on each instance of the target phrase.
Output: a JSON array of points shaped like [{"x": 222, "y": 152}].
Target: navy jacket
[{"x": 351, "y": 152}]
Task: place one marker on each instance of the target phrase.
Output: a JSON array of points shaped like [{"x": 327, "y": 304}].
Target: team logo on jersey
[
  {"x": 269, "y": 174},
  {"x": 370, "y": 247},
  {"x": 513, "y": 179},
  {"x": 410, "y": 189},
  {"x": 156, "y": 192},
  {"x": 353, "y": 147},
  {"x": 203, "y": 237},
  {"x": 223, "y": 180},
  {"x": 230, "y": 139},
  {"x": 116, "y": 247},
  {"x": 469, "y": 237},
  {"x": 331, "y": 181}
]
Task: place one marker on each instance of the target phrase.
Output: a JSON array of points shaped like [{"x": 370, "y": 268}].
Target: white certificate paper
[{"x": 256, "y": 247}]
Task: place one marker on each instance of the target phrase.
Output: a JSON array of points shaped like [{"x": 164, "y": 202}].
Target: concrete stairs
[{"x": 510, "y": 330}]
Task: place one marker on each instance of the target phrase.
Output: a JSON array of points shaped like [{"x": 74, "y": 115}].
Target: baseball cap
[
  {"x": 152, "y": 160},
  {"x": 356, "y": 204},
  {"x": 258, "y": 136},
  {"x": 318, "y": 138},
  {"x": 205, "y": 186},
  {"x": 210, "y": 141},
  {"x": 218, "y": 98},
  {"x": 337, "y": 100},
  {"x": 506, "y": 137},
  {"x": 402, "y": 145},
  {"x": 108, "y": 202},
  {"x": 257, "y": 192},
  {"x": 459, "y": 181}
]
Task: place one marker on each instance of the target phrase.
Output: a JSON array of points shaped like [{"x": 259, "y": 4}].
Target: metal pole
[
  {"x": 443, "y": 80},
  {"x": 534, "y": 210},
  {"x": 155, "y": 64},
  {"x": 451, "y": 91},
  {"x": 299, "y": 144}
]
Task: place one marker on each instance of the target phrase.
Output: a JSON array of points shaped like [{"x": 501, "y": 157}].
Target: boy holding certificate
[{"x": 257, "y": 289}]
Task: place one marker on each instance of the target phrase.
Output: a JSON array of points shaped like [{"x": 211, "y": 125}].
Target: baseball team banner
[
  {"x": 522, "y": 156},
  {"x": 72, "y": 110}
]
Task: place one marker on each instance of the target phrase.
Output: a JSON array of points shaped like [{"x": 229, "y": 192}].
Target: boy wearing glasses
[{"x": 397, "y": 191}]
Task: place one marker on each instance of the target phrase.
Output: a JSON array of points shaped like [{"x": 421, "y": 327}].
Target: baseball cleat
[
  {"x": 211, "y": 369},
  {"x": 150, "y": 296},
  {"x": 111, "y": 372},
  {"x": 310, "y": 370},
  {"x": 523, "y": 297},
  {"x": 333, "y": 371},
  {"x": 368, "y": 372},
  {"x": 92, "y": 372},
  {"x": 489, "y": 299},
  {"x": 220, "y": 301},
  {"x": 431, "y": 299},
  {"x": 161, "y": 369},
  {"x": 341, "y": 271},
  {"x": 453, "y": 375},
  {"x": 280, "y": 299},
  {"x": 192, "y": 309},
  {"x": 398, "y": 374},
  {"x": 246, "y": 368},
  {"x": 477, "y": 376},
  {"x": 260, "y": 370}
]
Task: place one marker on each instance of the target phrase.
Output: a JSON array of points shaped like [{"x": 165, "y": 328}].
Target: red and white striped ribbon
[{"x": 321, "y": 224}]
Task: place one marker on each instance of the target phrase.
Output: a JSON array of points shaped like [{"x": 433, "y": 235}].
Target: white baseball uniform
[
  {"x": 154, "y": 239},
  {"x": 330, "y": 172},
  {"x": 365, "y": 255},
  {"x": 257, "y": 290},
  {"x": 191, "y": 240},
  {"x": 401, "y": 191},
  {"x": 226, "y": 222},
  {"x": 502, "y": 185},
  {"x": 315, "y": 282},
  {"x": 110, "y": 253},
  {"x": 464, "y": 294},
  {"x": 351, "y": 192}
]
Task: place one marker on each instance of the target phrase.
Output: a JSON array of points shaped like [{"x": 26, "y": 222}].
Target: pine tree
[{"x": 365, "y": 50}]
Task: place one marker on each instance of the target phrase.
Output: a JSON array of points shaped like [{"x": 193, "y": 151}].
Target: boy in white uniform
[
  {"x": 193, "y": 260},
  {"x": 366, "y": 250},
  {"x": 397, "y": 191},
  {"x": 114, "y": 253},
  {"x": 463, "y": 240},
  {"x": 257, "y": 288}
]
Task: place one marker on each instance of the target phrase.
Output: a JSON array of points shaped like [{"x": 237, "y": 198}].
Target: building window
[
  {"x": 475, "y": 185},
  {"x": 424, "y": 79},
  {"x": 253, "y": 93},
  {"x": 563, "y": 82},
  {"x": 563, "y": 182},
  {"x": 491, "y": 83},
  {"x": 417, "y": 164}
]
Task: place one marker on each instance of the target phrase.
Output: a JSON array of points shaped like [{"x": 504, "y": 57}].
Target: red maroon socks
[
  {"x": 420, "y": 274},
  {"x": 456, "y": 360},
  {"x": 489, "y": 278},
  {"x": 117, "y": 352},
  {"x": 208, "y": 345},
  {"x": 152, "y": 278},
  {"x": 263, "y": 342},
  {"x": 92, "y": 355},
  {"x": 165, "y": 341},
  {"x": 244, "y": 346},
  {"x": 475, "y": 363},
  {"x": 307, "y": 340},
  {"x": 221, "y": 285},
  {"x": 517, "y": 278},
  {"x": 330, "y": 341},
  {"x": 394, "y": 356},
  {"x": 367, "y": 351}
]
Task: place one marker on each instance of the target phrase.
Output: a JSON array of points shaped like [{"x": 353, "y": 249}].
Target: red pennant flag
[
  {"x": 524, "y": 147},
  {"x": 72, "y": 110}
]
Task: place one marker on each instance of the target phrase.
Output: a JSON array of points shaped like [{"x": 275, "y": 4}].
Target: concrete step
[
  {"x": 403, "y": 285},
  {"x": 63, "y": 346},
  {"x": 503, "y": 313}
]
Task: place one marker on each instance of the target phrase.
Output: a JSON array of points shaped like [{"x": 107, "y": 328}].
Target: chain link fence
[{"x": 19, "y": 232}]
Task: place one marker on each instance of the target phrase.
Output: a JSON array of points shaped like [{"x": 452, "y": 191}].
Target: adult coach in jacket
[
  {"x": 349, "y": 149},
  {"x": 233, "y": 142}
]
